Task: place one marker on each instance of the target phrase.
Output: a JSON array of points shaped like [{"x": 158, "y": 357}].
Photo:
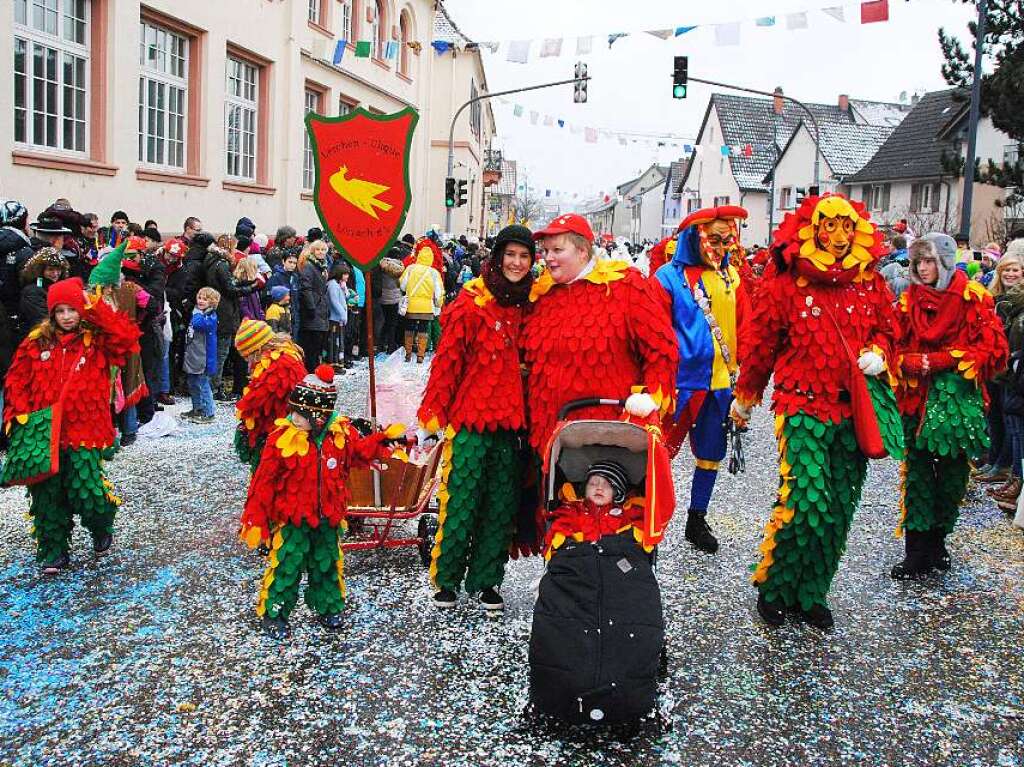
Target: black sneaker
[
  {"x": 491, "y": 601},
  {"x": 128, "y": 439},
  {"x": 202, "y": 419},
  {"x": 331, "y": 622},
  {"x": 57, "y": 564},
  {"x": 102, "y": 544},
  {"x": 771, "y": 612},
  {"x": 819, "y": 616},
  {"x": 699, "y": 533},
  {"x": 445, "y": 598},
  {"x": 275, "y": 628},
  {"x": 188, "y": 414}
]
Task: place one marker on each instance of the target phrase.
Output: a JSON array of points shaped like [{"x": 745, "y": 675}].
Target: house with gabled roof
[
  {"x": 740, "y": 140},
  {"x": 672, "y": 207},
  {"x": 914, "y": 174}
]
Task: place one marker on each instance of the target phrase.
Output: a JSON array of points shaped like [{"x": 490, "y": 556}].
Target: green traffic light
[
  {"x": 449, "y": 202},
  {"x": 679, "y": 91}
]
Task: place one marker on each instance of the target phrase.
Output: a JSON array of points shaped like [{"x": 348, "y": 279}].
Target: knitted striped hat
[
  {"x": 251, "y": 336},
  {"x": 616, "y": 476}
]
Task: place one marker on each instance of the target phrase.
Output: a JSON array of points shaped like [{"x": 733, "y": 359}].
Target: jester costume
[
  {"x": 59, "y": 386},
  {"x": 822, "y": 324},
  {"x": 277, "y": 367},
  {"x": 297, "y": 503},
  {"x": 475, "y": 393},
  {"x": 708, "y": 303},
  {"x": 950, "y": 343}
]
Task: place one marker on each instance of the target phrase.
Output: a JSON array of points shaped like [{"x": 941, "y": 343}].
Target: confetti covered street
[{"x": 153, "y": 656}]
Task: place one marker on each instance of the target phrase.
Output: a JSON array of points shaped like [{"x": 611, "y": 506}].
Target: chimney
[
  {"x": 844, "y": 102},
  {"x": 778, "y": 100}
]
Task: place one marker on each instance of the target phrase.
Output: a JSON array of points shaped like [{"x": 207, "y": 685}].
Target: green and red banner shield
[{"x": 362, "y": 189}]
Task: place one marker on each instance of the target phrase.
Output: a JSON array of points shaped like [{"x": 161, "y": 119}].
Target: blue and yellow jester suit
[{"x": 707, "y": 303}]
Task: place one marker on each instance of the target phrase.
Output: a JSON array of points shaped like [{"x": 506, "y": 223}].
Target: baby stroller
[{"x": 598, "y": 632}]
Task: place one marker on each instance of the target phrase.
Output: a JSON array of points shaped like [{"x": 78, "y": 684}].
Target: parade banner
[{"x": 361, "y": 192}]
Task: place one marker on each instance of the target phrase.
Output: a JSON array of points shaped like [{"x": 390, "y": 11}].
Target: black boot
[
  {"x": 939, "y": 553},
  {"x": 918, "y": 559},
  {"x": 275, "y": 628},
  {"x": 772, "y": 612},
  {"x": 102, "y": 544},
  {"x": 698, "y": 533},
  {"x": 55, "y": 565},
  {"x": 331, "y": 622},
  {"x": 818, "y": 616}
]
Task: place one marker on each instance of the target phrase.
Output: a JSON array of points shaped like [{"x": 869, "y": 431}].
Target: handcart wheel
[{"x": 426, "y": 530}]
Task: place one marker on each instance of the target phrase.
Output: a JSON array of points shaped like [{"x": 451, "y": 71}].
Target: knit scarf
[
  {"x": 935, "y": 314},
  {"x": 506, "y": 293}
]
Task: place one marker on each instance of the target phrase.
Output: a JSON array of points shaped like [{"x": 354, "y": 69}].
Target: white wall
[{"x": 796, "y": 169}]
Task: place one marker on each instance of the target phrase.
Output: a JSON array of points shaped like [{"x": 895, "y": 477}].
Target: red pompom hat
[{"x": 70, "y": 292}]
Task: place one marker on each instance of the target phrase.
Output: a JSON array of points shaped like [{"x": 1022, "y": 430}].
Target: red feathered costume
[{"x": 598, "y": 336}]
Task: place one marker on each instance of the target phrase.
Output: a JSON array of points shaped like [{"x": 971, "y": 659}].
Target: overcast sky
[{"x": 631, "y": 88}]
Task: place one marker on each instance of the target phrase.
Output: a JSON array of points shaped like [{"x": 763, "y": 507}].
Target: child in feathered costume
[
  {"x": 950, "y": 344},
  {"x": 297, "y": 502},
  {"x": 708, "y": 304},
  {"x": 60, "y": 378},
  {"x": 275, "y": 368},
  {"x": 822, "y": 324}
]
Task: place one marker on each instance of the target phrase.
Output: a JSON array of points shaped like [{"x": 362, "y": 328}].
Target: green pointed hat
[{"x": 108, "y": 271}]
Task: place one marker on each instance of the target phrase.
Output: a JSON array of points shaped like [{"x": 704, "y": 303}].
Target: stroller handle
[{"x": 579, "y": 404}]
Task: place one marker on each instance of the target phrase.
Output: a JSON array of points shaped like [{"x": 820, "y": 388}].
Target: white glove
[
  {"x": 740, "y": 413},
  {"x": 422, "y": 436},
  {"x": 641, "y": 405},
  {"x": 871, "y": 364}
]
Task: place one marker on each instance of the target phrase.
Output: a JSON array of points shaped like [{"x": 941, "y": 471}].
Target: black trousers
[{"x": 313, "y": 343}]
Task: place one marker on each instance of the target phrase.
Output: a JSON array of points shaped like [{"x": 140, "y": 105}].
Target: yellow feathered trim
[
  {"x": 292, "y": 441},
  {"x": 605, "y": 271},
  {"x": 476, "y": 288},
  {"x": 974, "y": 291}
]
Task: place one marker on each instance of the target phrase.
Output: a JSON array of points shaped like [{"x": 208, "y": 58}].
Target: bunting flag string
[{"x": 726, "y": 33}]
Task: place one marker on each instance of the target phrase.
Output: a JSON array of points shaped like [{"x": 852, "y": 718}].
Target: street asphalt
[{"x": 153, "y": 656}]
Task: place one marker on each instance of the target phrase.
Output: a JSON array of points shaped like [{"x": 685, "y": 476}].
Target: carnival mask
[
  {"x": 835, "y": 235},
  {"x": 718, "y": 239}
]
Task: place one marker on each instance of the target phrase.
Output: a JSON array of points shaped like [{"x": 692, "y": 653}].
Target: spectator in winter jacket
[
  {"x": 424, "y": 291},
  {"x": 45, "y": 268},
  {"x": 15, "y": 251},
  {"x": 337, "y": 294},
  {"x": 314, "y": 321},
  {"x": 286, "y": 274},
  {"x": 279, "y": 313},
  {"x": 285, "y": 243},
  {"x": 217, "y": 270},
  {"x": 390, "y": 296},
  {"x": 201, "y": 355},
  {"x": 896, "y": 271},
  {"x": 190, "y": 229},
  {"x": 245, "y": 230},
  {"x": 246, "y": 271}
]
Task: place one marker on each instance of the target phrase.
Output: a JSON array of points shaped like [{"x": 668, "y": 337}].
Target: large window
[
  {"x": 786, "y": 199},
  {"x": 345, "y": 106},
  {"x": 345, "y": 32},
  {"x": 876, "y": 196},
  {"x": 314, "y": 11},
  {"x": 312, "y": 104},
  {"x": 240, "y": 118},
  {"x": 475, "y": 110},
  {"x": 51, "y": 64},
  {"x": 374, "y": 32},
  {"x": 163, "y": 94},
  {"x": 924, "y": 198}
]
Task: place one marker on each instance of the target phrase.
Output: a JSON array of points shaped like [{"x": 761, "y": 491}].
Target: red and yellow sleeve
[
  {"x": 449, "y": 362},
  {"x": 654, "y": 340},
  {"x": 118, "y": 334},
  {"x": 761, "y": 338}
]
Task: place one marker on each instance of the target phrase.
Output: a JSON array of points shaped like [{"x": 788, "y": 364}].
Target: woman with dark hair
[{"x": 475, "y": 391}]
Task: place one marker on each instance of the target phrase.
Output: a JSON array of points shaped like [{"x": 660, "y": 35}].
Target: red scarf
[{"x": 936, "y": 314}]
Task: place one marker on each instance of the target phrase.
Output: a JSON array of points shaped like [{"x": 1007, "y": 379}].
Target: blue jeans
[
  {"x": 202, "y": 394},
  {"x": 1015, "y": 436},
  {"x": 129, "y": 420},
  {"x": 223, "y": 347}
]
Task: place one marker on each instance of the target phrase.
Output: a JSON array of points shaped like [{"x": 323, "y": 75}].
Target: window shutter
[
  {"x": 915, "y": 198},
  {"x": 936, "y": 192},
  {"x": 886, "y": 188}
]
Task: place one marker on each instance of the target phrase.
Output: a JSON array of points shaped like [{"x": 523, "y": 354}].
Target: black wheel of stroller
[
  {"x": 426, "y": 530},
  {"x": 663, "y": 663}
]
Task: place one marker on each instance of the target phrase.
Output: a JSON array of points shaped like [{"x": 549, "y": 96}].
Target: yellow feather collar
[{"x": 605, "y": 272}]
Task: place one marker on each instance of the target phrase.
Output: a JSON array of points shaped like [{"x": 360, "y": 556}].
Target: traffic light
[
  {"x": 580, "y": 88},
  {"x": 460, "y": 198},
  {"x": 680, "y": 77},
  {"x": 449, "y": 192}
]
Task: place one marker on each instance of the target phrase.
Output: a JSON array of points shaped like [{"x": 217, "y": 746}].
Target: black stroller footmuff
[{"x": 598, "y": 633}]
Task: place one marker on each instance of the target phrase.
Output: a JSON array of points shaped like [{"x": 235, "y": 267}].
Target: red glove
[{"x": 912, "y": 363}]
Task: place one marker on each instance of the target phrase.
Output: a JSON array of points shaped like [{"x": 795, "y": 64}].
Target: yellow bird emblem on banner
[{"x": 359, "y": 193}]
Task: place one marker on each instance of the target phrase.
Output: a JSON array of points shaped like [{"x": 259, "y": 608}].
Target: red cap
[
  {"x": 564, "y": 224},
  {"x": 131, "y": 265},
  {"x": 68, "y": 292}
]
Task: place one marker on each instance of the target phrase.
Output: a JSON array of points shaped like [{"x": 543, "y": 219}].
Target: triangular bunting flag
[
  {"x": 590, "y": 136},
  {"x": 339, "y": 51},
  {"x": 363, "y": 49},
  {"x": 551, "y": 47},
  {"x": 662, "y": 34},
  {"x": 836, "y": 12},
  {"x": 584, "y": 45},
  {"x": 519, "y": 51},
  {"x": 796, "y": 20},
  {"x": 766, "y": 21},
  {"x": 615, "y": 36},
  {"x": 683, "y": 30}
]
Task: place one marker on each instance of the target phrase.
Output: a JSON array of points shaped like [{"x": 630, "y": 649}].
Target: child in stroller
[{"x": 598, "y": 630}]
